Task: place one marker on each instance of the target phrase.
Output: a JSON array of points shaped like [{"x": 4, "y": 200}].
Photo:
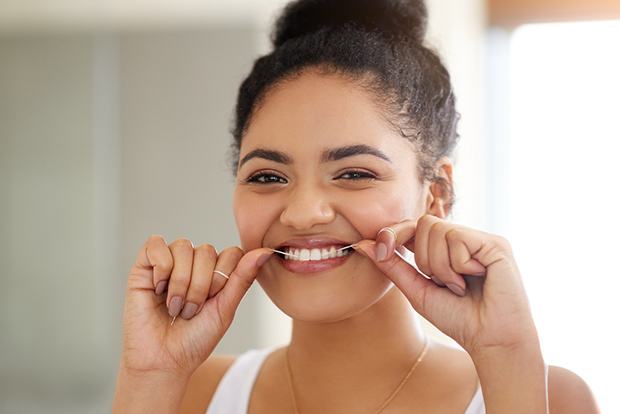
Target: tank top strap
[
  {"x": 476, "y": 405},
  {"x": 232, "y": 394}
]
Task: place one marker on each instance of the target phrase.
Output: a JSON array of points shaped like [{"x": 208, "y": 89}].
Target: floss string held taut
[{"x": 289, "y": 254}]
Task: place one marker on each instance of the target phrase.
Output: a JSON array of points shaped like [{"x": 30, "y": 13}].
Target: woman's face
[{"x": 305, "y": 193}]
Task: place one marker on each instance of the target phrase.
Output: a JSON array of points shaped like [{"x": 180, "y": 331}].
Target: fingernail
[
  {"x": 189, "y": 310},
  {"x": 161, "y": 286},
  {"x": 456, "y": 289},
  {"x": 380, "y": 251},
  {"x": 261, "y": 260},
  {"x": 175, "y": 306}
]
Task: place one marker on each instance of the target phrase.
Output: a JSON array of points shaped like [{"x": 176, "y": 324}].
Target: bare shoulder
[
  {"x": 569, "y": 393},
  {"x": 203, "y": 383}
]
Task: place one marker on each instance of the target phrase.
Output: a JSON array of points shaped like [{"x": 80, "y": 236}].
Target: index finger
[
  {"x": 240, "y": 280},
  {"x": 154, "y": 262},
  {"x": 390, "y": 237}
]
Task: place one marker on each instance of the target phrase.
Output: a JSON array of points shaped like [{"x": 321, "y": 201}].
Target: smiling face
[{"x": 318, "y": 159}]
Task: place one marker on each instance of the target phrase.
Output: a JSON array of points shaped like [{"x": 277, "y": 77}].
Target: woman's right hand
[{"x": 178, "y": 279}]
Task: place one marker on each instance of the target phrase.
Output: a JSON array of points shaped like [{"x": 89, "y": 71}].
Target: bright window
[{"x": 562, "y": 192}]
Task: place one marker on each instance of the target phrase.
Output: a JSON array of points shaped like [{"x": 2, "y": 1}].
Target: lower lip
[{"x": 313, "y": 266}]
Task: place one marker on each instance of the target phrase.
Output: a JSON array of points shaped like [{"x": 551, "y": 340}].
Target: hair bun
[{"x": 395, "y": 18}]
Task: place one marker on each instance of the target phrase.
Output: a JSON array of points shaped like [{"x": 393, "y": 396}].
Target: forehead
[{"x": 314, "y": 111}]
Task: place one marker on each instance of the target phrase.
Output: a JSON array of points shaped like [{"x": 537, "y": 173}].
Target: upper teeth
[{"x": 313, "y": 254}]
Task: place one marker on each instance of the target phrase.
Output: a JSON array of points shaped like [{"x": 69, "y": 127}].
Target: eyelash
[{"x": 364, "y": 176}]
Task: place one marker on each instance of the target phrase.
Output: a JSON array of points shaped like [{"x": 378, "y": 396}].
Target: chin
[{"x": 320, "y": 301}]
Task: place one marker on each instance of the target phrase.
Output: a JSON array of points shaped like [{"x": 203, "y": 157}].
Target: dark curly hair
[{"x": 379, "y": 46}]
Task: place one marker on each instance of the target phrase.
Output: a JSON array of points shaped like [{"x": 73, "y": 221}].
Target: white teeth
[{"x": 305, "y": 255}]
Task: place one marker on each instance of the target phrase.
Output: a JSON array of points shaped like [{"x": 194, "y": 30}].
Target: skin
[
  {"x": 355, "y": 332},
  {"x": 332, "y": 312}
]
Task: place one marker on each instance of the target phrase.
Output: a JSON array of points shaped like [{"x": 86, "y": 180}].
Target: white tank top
[{"x": 232, "y": 395}]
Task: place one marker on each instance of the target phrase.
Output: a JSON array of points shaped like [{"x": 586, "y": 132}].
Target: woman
[{"x": 341, "y": 154}]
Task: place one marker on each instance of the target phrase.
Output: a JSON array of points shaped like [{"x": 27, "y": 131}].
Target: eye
[
  {"x": 356, "y": 175},
  {"x": 266, "y": 178}
]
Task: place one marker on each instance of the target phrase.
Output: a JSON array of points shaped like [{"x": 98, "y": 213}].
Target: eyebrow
[{"x": 332, "y": 154}]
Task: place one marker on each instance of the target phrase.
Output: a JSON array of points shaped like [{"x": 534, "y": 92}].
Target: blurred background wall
[{"x": 114, "y": 120}]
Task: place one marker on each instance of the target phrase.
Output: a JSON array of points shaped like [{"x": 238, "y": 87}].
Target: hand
[
  {"x": 475, "y": 296},
  {"x": 205, "y": 302}
]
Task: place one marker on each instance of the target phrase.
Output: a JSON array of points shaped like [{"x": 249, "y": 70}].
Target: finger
[
  {"x": 227, "y": 260},
  {"x": 153, "y": 264},
  {"x": 460, "y": 257},
  {"x": 419, "y": 290},
  {"x": 183, "y": 256},
  {"x": 424, "y": 225},
  {"x": 439, "y": 259},
  {"x": 241, "y": 278},
  {"x": 389, "y": 237},
  {"x": 204, "y": 260}
]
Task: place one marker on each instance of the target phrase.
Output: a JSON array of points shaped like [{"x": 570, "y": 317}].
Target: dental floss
[
  {"x": 172, "y": 320},
  {"x": 289, "y": 254},
  {"x": 410, "y": 263}
]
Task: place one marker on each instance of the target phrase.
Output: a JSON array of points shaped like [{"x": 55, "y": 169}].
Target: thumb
[
  {"x": 241, "y": 278},
  {"x": 415, "y": 286}
]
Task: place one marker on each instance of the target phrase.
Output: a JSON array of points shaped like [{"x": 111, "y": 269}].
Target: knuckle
[
  {"x": 435, "y": 227},
  {"x": 166, "y": 264},
  {"x": 428, "y": 219},
  {"x": 182, "y": 244},
  {"x": 207, "y": 250},
  {"x": 155, "y": 238},
  {"x": 454, "y": 235},
  {"x": 165, "y": 261},
  {"x": 503, "y": 243},
  {"x": 233, "y": 251},
  {"x": 424, "y": 220}
]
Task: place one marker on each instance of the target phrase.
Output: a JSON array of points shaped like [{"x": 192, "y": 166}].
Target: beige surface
[{"x": 514, "y": 12}]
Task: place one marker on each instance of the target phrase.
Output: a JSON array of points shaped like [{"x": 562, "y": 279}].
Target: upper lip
[{"x": 313, "y": 242}]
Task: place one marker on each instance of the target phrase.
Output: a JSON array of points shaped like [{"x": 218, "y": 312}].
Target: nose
[{"x": 306, "y": 208}]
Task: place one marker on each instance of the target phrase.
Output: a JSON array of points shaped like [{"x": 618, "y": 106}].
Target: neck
[{"x": 374, "y": 347}]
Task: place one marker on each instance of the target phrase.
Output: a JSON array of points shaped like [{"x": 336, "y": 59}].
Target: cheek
[
  {"x": 380, "y": 209},
  {"x": 253, "y": 215},
  {"x": 366, "y": 211}
]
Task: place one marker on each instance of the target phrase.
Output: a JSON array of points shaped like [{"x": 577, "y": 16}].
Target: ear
[{"x": 440, "y": 195}]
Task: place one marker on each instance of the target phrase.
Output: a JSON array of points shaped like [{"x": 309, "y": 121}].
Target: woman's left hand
[{"x": 476, "y": 295}]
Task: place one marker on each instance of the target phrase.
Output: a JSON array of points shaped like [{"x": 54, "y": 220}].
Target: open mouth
[{"x": 316, "y": 254}]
